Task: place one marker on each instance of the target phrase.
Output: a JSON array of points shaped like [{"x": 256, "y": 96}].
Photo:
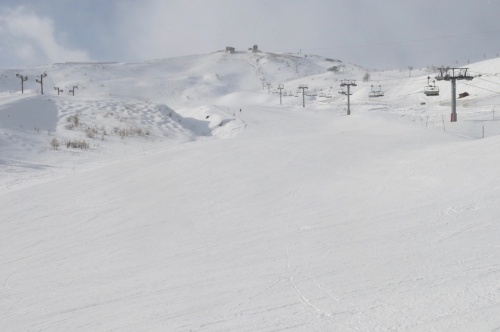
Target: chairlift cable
[
  {"x": 397, "y": 79},
  {"x": 479, "y": 78},
  {"x": 479, "y": 87}
]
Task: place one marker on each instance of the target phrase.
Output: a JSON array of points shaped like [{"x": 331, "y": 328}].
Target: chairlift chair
[
  {"x": 431, "y": 90},
  {"x": 376, "y": 93}
]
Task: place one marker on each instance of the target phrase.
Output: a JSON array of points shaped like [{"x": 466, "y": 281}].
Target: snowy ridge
[{"x": 199, "y": 202}]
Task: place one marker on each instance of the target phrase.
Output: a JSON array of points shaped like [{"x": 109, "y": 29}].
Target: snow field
[{"x": 304, "y": 219}]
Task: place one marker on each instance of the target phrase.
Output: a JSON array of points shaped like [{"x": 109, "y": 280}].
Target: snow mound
[
  {"x": 30, "y": 113},
  {"x": 212, "y": 121}
]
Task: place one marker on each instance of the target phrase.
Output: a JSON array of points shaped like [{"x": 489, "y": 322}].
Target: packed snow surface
[{"x": 180, "y": 195}]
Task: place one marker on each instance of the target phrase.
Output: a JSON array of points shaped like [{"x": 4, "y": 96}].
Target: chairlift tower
[
  {"x": 280, "y": 87},
  {"x": 23, "y": 79},
  {"x": 452, "y": 75},
  {"x": 59, "y": 90},
  {"x": 41, "y": 81},
  {"x": 348, "y": 84},
  {"x": 73, "y": 90},
  {"x": 303, "y": 87}
]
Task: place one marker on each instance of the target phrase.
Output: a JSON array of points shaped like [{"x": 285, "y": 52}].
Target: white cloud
[
  {"x": 157, "y": 28},
  {"x": 32, "y": 39},
  {"x": 370, "y": 33}
]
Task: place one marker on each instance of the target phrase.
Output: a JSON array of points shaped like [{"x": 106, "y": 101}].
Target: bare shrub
[
  {"x": 76, "y": 144},
  {"x": 132, "y": 131},
  {"x": 91, "y": 132},
  {"x": 74, "y": 121},
  {"x": 55, "y": 143},
  {"x": 123, "y": 133}
]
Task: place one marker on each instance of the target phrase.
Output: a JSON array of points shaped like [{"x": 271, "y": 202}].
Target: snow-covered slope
[{"x": 199, "y": 202}]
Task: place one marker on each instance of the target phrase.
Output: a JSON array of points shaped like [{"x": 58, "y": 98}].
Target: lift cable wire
[
  {"x": 398, "y": 79},
  {"x": 477, "y": 87},
  {"x": 480, "y": 78},
  {"x": 480, "y": 73}
]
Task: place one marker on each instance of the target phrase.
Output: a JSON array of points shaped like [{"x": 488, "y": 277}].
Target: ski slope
[{"x": 202, "y": 204}]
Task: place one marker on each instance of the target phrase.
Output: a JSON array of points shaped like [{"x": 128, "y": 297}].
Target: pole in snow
[
  {"x": 73, "y": 90},
  {"x": 348, "y": 84},
  {"x": 23, "y": 79},
  {"x": 280, "y": 87},
  {"x": 303, "y": 87},
  {"x": 41, "y": 81},
  {"x": 453, "y": 74}
]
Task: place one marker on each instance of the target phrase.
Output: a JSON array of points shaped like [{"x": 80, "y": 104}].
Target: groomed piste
[{"x": 181, "y": 195}]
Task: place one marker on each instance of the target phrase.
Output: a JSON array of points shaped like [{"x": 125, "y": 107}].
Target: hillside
[{"x": 181, "y": 195}]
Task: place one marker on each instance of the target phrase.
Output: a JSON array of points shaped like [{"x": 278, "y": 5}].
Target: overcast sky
[{"x": 372, "y": 33}]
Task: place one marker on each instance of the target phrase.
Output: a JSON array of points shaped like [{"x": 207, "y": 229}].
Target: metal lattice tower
[
  {"x": 452, "y": 75},
  {"x": 348, "y": 84}
]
